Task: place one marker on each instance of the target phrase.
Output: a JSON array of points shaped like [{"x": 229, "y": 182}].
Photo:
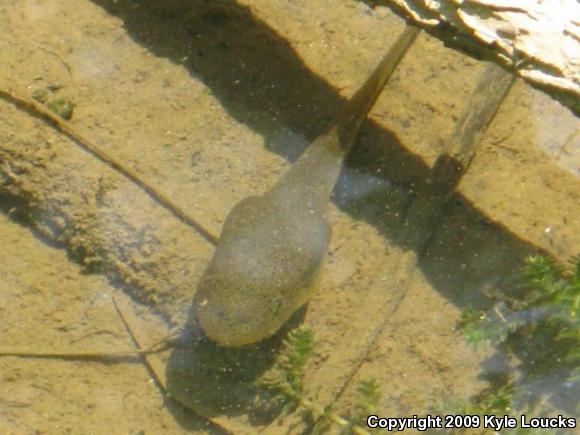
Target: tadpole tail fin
[
  {"x": 311, "y": 178},
  {"x": 356, "y": 110}
]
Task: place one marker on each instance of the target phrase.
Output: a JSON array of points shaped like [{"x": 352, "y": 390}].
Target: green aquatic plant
[
  {"x": 544, "y": 314},
  {"x": 496, "y": 400},
  {"x": 538, "y": 324},
  {"x": 479, "y": 327},
  {"x": 285, "y": 382},
  {"x": 499, "y": 399},
  {"x": 62, "y": 107},
  {"x": 40, "y": 95},
  {"x": 368, "y": 395},
  {"x": 286, "y": 377}
]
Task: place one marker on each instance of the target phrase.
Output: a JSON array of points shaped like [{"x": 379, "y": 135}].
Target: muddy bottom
[{"x": 211, "y": 103}]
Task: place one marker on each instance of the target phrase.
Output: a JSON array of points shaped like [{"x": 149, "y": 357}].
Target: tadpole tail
[
  {"x": 356, "y": 110},
  {"x": 311, "y": 178}
]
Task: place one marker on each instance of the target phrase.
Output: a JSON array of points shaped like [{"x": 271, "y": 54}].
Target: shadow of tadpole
[
  {"x": 252, "y": 70},
  {"x": 216, "y": 380}
]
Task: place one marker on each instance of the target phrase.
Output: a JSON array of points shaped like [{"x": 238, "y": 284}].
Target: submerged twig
[
  {"x": 156, "y": 347},
  {"x": 154, "y": 371},
  {"x": 79, "y": 354},
  {"x": 66, "y": 128},
  {"x": 427, "y": 210}
]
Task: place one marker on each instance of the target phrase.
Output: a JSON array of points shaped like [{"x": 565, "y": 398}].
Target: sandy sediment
[{"x": 104, "y": 220}]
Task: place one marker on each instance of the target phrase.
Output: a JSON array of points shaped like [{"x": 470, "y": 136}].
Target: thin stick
[
  {"x": 80, "y": 355},
  {"x": 119, "y": 355},
  {"x": 156, "y": 371},
  {"x": 427, "y": 211},
  {"x": 66, "y": 128},
  {"x": 153, "y": 372}
]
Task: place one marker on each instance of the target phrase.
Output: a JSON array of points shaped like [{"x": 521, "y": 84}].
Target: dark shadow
[
  {"x": 216, "y": 380},
  {"x": 262, "y": 82},
  {"x": 254, "y": 73}
]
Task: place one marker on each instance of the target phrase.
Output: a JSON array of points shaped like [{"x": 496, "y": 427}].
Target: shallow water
[{"x": 211, "y": 104}]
